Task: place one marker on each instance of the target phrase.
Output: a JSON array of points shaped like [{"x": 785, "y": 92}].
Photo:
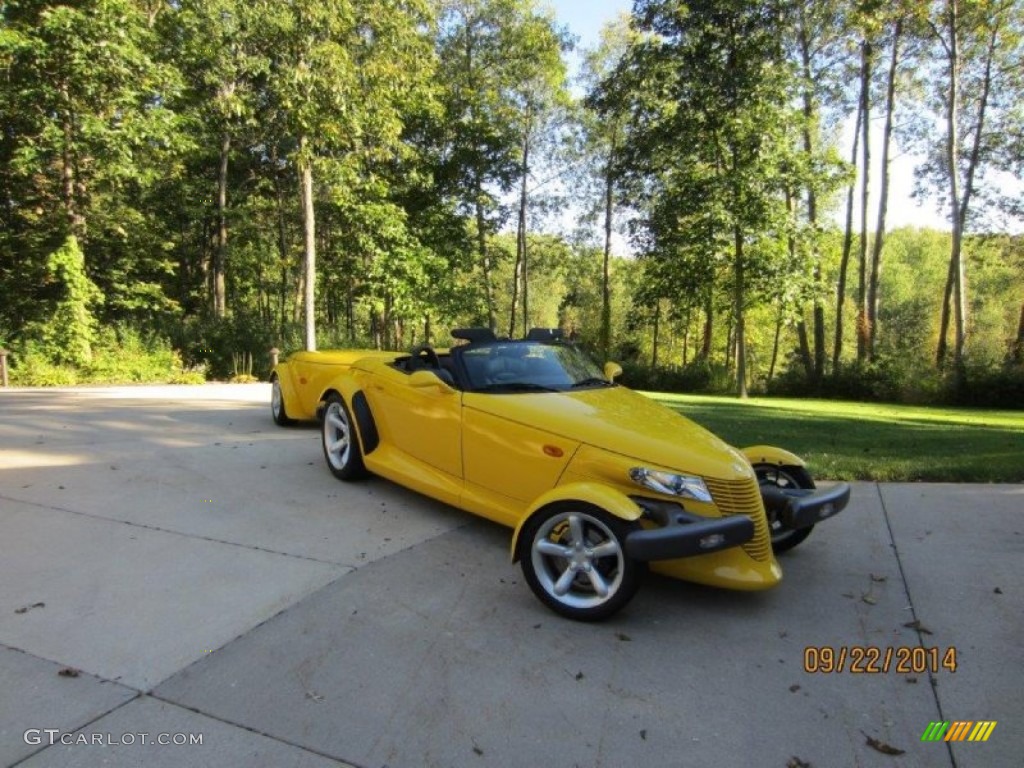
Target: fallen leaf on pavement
[
  {"x": 916, "y": 624},
  {"x": 881, "y": 746}
]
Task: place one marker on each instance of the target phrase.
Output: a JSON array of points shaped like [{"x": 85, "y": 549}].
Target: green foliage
[
  {"x": 123, "y": 356},
  {"x": 230, "y": 347},
  {"x": 119, "y": 356},
  {"x": 31, "y": 367},
  {"x": 169, "y": 138},
  {"x": 886, "y": 379},
  {"x": 697, "y": 377},
  {"x": 67, "y": 337}
]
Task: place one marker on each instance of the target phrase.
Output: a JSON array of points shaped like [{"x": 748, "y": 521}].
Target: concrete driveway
[{"x": 174, "y": 568}]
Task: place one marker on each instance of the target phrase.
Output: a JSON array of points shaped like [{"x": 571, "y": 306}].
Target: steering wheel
[{"x": 428, "y": 354}]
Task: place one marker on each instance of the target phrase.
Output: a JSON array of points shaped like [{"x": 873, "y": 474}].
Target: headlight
[{"x": 672, "y": 484}]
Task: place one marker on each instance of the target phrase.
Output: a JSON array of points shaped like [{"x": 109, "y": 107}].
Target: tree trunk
[
  {"x": 775, "y": 346},
  {"x": 805, "y": 349},
  {"x": 709, "y": 327},
  {"x": 863, "y": 332},
  {"x": 220, "y": 254},
  {"x": 739, "y": 297},
  {"x": 282, "y": 239},
  {"x": 518, "y": 269},
  {"x": 606, "y": 289},
  {"x": 812, "y": 205},
  {"x": 956, "y": 267},
  {"x": 485, "y": 258},
  {"x": 525, "y": 265},
  {"x": 309, "y": 242},
  {"x": 657, "y": 331},
  {"x": 1017, "y": 353},
  {"x": 883, "y": 201},
  {"x": 960, "y": 200},
  {"x": 844, "y": 263},
  {"x": 70, "y": 184},
  {"x": 942, "y": 350}
]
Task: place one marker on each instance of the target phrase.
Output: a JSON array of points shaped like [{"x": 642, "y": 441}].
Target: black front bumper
[
  {"x": 681, "y": 534},
  {"x": 798, "y": 508}
]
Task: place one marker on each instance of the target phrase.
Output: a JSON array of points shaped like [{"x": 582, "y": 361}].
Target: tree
[
  {"x": 541, "y": 98},
  {"x": 603, "y": 124},
  {"x": 819, "y": 36},
  {"x": 339, "y": 74},
  {"x": 486, "y": 49},
  {"x": 212, "y": 42},
  {"x": 979, "y": 46},
  {"x": 87, "y": 133},
  {"x": 712, "y": 99}
]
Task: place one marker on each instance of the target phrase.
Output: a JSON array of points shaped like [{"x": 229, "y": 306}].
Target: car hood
[{"x": 621, "y": 421}]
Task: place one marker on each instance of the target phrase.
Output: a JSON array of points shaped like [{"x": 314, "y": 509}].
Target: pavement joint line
[
  {"x": 86, "y": 724},
  {"x": 932, "y": 681},
  {"x": 257, "y": 731},
  {"x": 147, "y": 527},
  {"x": 78, "y": 728},
  {"x": 294, "y": 604},
  {"x": 102, "y": 679}
]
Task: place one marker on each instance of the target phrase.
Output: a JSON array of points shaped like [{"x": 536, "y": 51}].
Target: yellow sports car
[{"x": 598, "y": 482}]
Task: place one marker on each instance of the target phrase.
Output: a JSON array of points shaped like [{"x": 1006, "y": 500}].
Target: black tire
[
  {"x": 277, "y": 409},
  {"x": 784, "y": 477},
  {"x": 571, "y": 532},
  {"x": 340, "y": 441}
]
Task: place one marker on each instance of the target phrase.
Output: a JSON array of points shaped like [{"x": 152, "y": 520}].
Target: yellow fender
[
  {"x": 769, "y": 454},
  {"x": 344, "y": 385},
  {"x": 347, "y": 387},
  {"x": 608, "y": 499}
]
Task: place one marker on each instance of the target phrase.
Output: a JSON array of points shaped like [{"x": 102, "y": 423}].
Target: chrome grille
[{"x": 742, "y": 497}]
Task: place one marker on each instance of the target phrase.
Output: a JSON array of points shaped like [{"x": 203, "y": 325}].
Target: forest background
[{"x": 186, "y": 184}]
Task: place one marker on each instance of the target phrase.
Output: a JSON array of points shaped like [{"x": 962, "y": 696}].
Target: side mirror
[
  {"x": 612, "y": 371},
  {"x": 424, "y": 379}
]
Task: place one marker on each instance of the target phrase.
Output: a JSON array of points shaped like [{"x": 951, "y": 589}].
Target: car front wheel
[
  {"x": 574, "y": 560},
  {"x": 341, "y": 444},
  {"x": 784, "y": 539}
]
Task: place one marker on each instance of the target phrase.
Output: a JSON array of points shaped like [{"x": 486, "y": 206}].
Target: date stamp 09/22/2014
[{"x": 879, "y": 660}]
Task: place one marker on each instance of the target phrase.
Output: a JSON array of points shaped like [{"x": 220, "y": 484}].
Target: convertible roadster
[{"x": 597, "y": 482}]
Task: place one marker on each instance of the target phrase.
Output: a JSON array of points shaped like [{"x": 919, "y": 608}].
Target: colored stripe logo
[{"x": 959, "y": 730}]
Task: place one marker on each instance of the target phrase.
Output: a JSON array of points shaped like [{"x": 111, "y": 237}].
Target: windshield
[{"x": 525, "y": 366}]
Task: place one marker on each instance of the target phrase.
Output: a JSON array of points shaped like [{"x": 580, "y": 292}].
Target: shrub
[
  {"x": 30, "y": 367},
  {"x": 1001, "y": 387},
  {"x": 123, "y": 356},
  {"x": 119, "y": 356},
  {"x": 235, "y": 348},
  {"x": 696, "y": 377}
]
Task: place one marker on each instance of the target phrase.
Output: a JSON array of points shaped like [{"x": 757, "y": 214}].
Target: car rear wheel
[
  {"x": 574, "y": 560},
  {"x": 784, "y": 539},
  {"x": 341, "y": 444},
  {"x": 277, "y": 410}
]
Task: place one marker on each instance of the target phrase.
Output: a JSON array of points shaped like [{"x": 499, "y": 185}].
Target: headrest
[
  {"x": 544, "y": 334},
  {"x": 474, "y": 335}
]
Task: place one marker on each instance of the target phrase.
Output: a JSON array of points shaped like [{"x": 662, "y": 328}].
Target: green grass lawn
[{"x": 862, "y": 441}]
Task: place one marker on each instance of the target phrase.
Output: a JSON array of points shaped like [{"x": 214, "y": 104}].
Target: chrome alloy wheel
[
  {"x": 337, "y": 436},
  {"x": 578, "y": 560}
]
